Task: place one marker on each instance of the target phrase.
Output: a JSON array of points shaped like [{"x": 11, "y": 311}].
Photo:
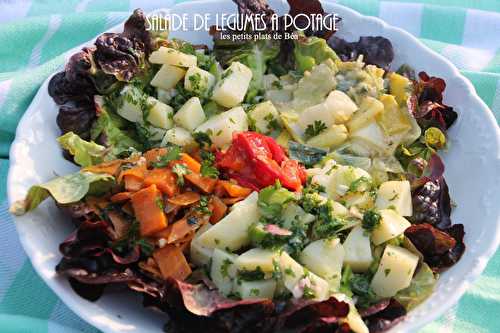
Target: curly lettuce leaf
[
  {"x": 85, "y": 153},
  {"x": 311, "y": 51},
  {"x": 65, "y": 190},
  {"x": 421, "y": 286}
]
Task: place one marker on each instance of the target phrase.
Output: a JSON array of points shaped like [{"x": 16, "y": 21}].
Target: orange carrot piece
[
  {"x": 232, "y": 201},
  {"x": 181, "y": 229},
  {"x": 185, "y": 199},
  {"x": 132, "y": 183},
  {"x": 220, "y": 191},
  {"x": 154, "y": 155},
  {"x": 164, "y": 179},
  {"x": 137, "y": 171},
  {"x": 148, "y": 211},
  {"x": 235, "y": 190},
  {"x": 191, "y": 163},
  {"x": 206, "y": 184},
  {"x": 219, "y": 210},
  {"x": 172, "y": 262},
  {"x": 120, "y": 197},
  {"x": 111, "y": 168}
]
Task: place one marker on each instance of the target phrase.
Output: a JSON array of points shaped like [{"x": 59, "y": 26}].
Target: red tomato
[{"x": 257, "y": 161}]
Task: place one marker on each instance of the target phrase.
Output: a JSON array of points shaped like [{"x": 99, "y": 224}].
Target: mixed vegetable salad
[{"x": 278, "y": 185}]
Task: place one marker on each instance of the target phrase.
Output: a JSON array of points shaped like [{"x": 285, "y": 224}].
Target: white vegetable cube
[
  {"x": 394, "y": 272},
  {"x": 324, "y": 258},
  {"x": 199, "y": 254},
  {"x": 178, "y": 136},
  {"x": 156, "y": 133},
  {"x": 222, "y": 126},
  {"x": 255, "y": 289},
  {"x": 265, "y": 117},
  {"x": 397, "y": 195},
  {"x": 315, "y": 113},
  {"x": 368, "y": 110},
  {"x": 167, "y": 77},
  {"x": 372, "y": 136},
  {"x": 343, "y": 178},
  {"x": 356, "y": 323},
  {"x": 358, "y": 252},
  {"x": 223, "y": 270},
  {"x": 160, "y": 115},
  {"x": 165, "y": 96},
  {"x": 132, "y": 103},
  {"x": 198, "y": 81},
  {"x": 391, "y": 225},
  {"x": 190, "y": 115},
  {"x": 257, "y": 258},
  {"x": 341, "y": 106},
  {"x": 232, "y": 87},
  {"x": 333, "y": 136},
  {"x": 299, "y": 283},
  {"x": 169, "y": 56},
  {"x": 232, "y": 231}
]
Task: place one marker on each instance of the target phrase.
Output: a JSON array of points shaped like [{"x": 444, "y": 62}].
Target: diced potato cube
[
  {"x": 169, "y": 56},
  {"x": 391, "y": 225},
  {"x": 198, "y": 81},
  {"x": 190, "y": 115},
  {"x": 223, "y": 270},
  {"x": 358, "y": 252},
  {"x": 372, "y": 136},
  {"x": 343, "y": 177},
  {"x": 265, "y": 116},
  {"x": 392, "y": 120},
  {"x": 160, "y": 115},
  {"x": 199, "y": 254},
  {"x": 397, "y": 195},
  {"x": 333, "y": 136},
  {"x": 232, "y": 87},
  {"x": 255, "y": 289},
  {"x": 232, "y": 231},
  {"x": 222, "y": 126},
  {"x": 400, "y": 87},
  {"x": 178, "y": 136},
  {"x": 324, "y": 258},
  {"x": 296, "y": 280},
  {"x": 356, "y": 323},
  {"x": 394, "y": 272},
  {"x": 257, "y": 258},
  {"x": 132, "y": 103},
  {"x": 167, "y": 77},
  {"x": 368, "y": 110},
  {"x": 341, "y": 106}
]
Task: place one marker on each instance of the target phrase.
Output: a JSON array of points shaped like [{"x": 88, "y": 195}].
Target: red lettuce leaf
[{"x": 383, "y": 315}]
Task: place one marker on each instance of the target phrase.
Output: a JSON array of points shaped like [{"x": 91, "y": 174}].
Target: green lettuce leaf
[
  {"x": 84, "y": 152},
  {"x": 312, "y": 51},
  {"x": 422, "y": 285},
  {"x": 65, "y": 190},
  {"x": 272, "y": 200}
]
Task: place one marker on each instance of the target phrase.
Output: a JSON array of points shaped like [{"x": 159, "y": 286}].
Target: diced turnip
[
  {"x": 394, "y": 272},
  {"x": 178, "y": 136},
  {"x": 223, "y": 270},
  {"x": 358, "y": 252},
  {"x": 372, "y": 136},
  {"x": 198, "y": 81},
  {"x": 232, "y": 231},
  {"x": 132, "y": 103},
  {"x": 368, "y": 110},
  {"x": 160, "y": 114},
  {"x": 169, "y": 56},
  {"x": 233, "y": 85},
  {"x": 265, "y": 116},
  {"x": 190, "y": 115},
  {"x": 222, "y": 126},
  {"x": 391, "y": 225},
  {"x": 397, "y": 195},
  {"x": 331, "y": 137},
  {"x": 356, "y": 323},
  {"x": 255, "y": 289},
  {"x": 167, "y": 77},
  {"x": 341, "y": 106},
  {"x": 257, "y": 258},
  {"x": 200, "y": 255}
]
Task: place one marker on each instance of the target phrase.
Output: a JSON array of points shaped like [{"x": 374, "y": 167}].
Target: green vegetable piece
[
  {"x": 307, "y": 155},
  {"x": 314, "y": 129},
  {"x": 311, "y": 51},
  {"x": 435, "y": 138},
  {"x": 371, "y": 219},
  {"x": 422, "y": 285},
  {"x": 85, "y": 153},
  {"x": 272, "y": 199},
  {"x": 65, "y": 190}
]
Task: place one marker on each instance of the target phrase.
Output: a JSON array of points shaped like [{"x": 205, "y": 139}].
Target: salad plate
[{"x": 472, "y": 162}]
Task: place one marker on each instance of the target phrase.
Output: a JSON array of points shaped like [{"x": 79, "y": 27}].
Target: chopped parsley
[
  {"x": 289, "y": 272},
  {"x": 173, "y": 154},
  {"x": 357, "y": 185},
  {"x": 315, "y": 129},
  {"x": 133, "y": 239},
  {"x": 207, "y": 165},
  {"x": 371, "y": 219},
  {"x": 202, "y": 207},
  {"x": 180, "y": 170},
  {"x": 254, "y": 275},
  {"x": 202, "y": 139},
  {"x": 159, "y": 202},
  {"x": 308, "y": 293},
  {"x": 254, "y": 292},
  {"x": 387, "y": 271},
  {"x": 224, "y": 268}
]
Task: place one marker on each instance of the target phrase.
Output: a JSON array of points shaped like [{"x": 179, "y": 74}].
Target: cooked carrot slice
[
  {"x": 120, "y": 197},
  {"x": 191, "y": 163},
  {"x": 137, "y": 171},
  {"x": 185, "y": 199},
  {"x": 206, "y": 184},
  {"x": 219, "y": 210},
  {"x": 164, "y": 179},
  {"x": 133, "y": 183},
  {"x": 235, "y": 190},
  {"x": 148, "y": 210},
  {"x": 182, "y": 228},
  {"x": 111, "y": 168},
  {"x": 220, "y": 191},
  {"x": 172, "y": 262},
  {"x": 154, "y": 155},
  {"x": 232, "y": 201}
]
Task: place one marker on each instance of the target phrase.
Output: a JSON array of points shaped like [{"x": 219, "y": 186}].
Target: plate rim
[{"x": 74, "y": 302}]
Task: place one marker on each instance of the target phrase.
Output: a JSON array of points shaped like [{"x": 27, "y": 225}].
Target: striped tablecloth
[{"x": 33, "y": 35}]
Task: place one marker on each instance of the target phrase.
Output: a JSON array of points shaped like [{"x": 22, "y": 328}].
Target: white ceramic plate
[{"x": 472, "y": 172}]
